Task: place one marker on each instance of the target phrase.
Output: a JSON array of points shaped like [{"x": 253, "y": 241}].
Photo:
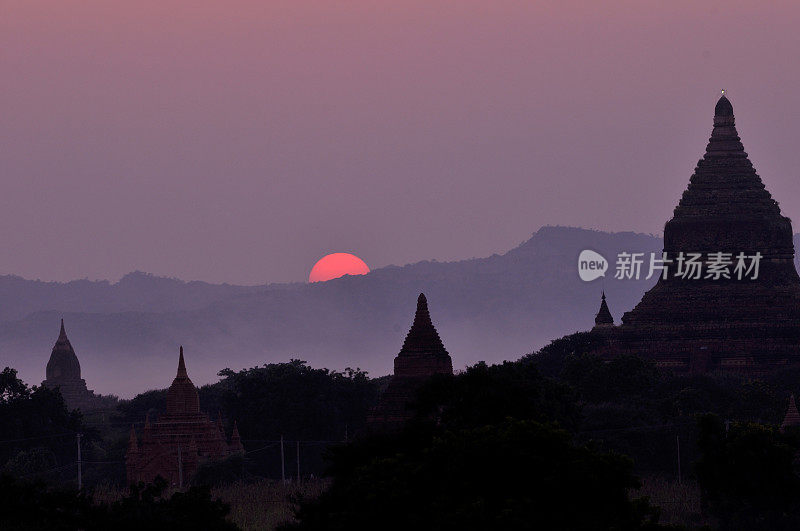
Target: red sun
[{"x": 337, "y": 265}]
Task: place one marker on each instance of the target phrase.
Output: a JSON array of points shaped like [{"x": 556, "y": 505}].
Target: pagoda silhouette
[
  {"x": 423, "y": 355},
  {"x": 63, "y": 372},
  {"x": 181, "y": 440},
  {"x": 748, "y": 324}
]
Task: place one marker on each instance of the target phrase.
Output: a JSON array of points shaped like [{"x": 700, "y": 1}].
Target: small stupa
[{"x": 603, "y": 319}]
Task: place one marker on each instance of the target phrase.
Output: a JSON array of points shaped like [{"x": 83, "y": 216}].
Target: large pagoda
[{"x": 749, "y": 324}]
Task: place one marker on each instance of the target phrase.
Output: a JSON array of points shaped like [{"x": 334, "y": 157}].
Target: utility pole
[
  {"x": 283, "y": 463},
  {"x": 180, "y": 468},
  {"x": 298, "y": 461},
  {"x": 80, "y": 478},
  {"x": 678, "y": 440}
]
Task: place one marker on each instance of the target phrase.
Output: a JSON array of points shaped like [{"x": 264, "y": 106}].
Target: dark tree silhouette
[
  {"x": 35, "y": 506},
  {"x": 511, "y": 475},
  {"x": 747, "y": 476},
  {"x": 36, "y": 429}
]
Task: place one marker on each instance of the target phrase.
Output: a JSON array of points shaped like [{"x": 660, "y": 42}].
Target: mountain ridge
[{"x": 491, "y": 308}]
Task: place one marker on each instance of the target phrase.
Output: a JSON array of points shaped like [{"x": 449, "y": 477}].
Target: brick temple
[
  {"x": 423, "y": 355},
  {"x": 180, "y": 441},
  {"x": 704, "y": 325},
  {"x": 63, "y": 372}
]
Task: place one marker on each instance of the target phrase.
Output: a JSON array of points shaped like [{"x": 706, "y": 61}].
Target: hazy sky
[{"x": 240, "y": 141}]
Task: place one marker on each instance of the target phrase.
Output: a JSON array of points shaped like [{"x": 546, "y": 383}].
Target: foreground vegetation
[
  {"x": 34, "y": 506},
  {"x": 558, "y": 437},
  {"x": 261, "y": 505}
]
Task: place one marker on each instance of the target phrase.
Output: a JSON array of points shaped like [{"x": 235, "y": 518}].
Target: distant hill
[{"x": 127, "y": 334}]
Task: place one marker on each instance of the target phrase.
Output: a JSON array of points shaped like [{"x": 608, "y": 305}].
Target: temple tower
[
  {"x": 422, "y": 355},
  {"x": 63, "y": 372},
  {"x": 181, "y": 440},
  {"x": 745, "y": 323}
]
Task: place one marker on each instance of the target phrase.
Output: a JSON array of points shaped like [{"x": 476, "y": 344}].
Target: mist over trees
[{"x": 126, "y": 335}]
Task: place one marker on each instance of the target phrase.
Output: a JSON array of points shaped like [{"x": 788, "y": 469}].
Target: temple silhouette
[
  {"x": 63, "y": 372},
  {"x": 176, "y": 444},
  {"x": 705, "y": 325},
  {"x": 423, "y": 355}
]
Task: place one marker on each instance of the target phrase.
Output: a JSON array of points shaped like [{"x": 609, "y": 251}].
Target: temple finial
[
  {"x": 723, "y": 107},
  {"x": 181, "y": 366}
]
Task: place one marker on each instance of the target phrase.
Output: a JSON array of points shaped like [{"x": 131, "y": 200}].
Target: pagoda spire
[
  {"x": 792, "y": 417},
  {"x": 182, "y": 397},
  {"x": 182, "y": 367},
  {"x": 603, "y": 317},
  {"x": 423, "y": 337},
  {"x": 63, "y": 365},
  {"x": 724, "y": 141}
]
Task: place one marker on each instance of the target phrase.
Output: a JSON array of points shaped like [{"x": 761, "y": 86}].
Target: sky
[{"x": 241, "y": 141}]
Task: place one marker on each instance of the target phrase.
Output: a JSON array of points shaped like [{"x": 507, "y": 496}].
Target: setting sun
[{"x": 337, "y": 265}]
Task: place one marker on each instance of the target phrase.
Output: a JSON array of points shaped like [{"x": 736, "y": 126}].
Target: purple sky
[{"x": 240, "y": 141}]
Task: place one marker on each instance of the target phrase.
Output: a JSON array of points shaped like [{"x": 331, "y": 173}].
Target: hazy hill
[
  {"x": 127, "y": 334},
  {"x": 134, "y": 292}
]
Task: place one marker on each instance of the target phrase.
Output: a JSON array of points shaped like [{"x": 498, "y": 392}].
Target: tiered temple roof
[
  {"x": 64, "y": 372},
  {"x": 749, "y": 325},
  {"x": 423, "y": 355},
  {"x": 423, "y": 352},
  {"x": 176, "y": 444}
]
